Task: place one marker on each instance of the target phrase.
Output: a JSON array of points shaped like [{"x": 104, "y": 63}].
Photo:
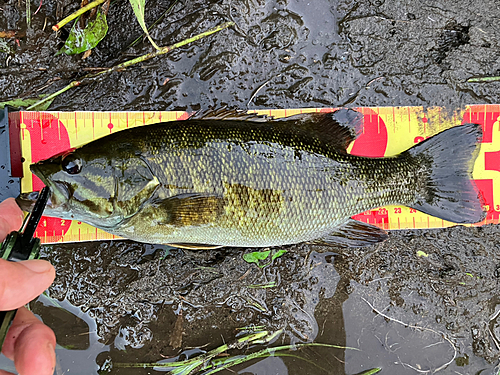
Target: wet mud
[{"x": 424, "y": 301}]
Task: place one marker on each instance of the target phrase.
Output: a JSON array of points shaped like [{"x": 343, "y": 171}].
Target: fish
[{"x": 225, "y": 178}]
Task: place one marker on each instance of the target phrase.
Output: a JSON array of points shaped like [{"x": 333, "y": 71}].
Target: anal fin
[
  {"x": 354, "y": 233},
  {"x": 194, "y": 246}
]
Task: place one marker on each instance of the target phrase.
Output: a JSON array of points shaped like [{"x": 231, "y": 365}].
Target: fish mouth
[
  {"x": 26, "y": 201},
  {"x": 60, "y": 189},
  {"x": 60, "y": 193}
]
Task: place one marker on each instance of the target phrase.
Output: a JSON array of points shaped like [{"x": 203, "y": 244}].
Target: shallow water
[{"x": 123, "y": 302}]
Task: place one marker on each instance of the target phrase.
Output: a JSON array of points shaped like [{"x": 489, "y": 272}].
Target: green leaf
[
  {"x": 17, "y": 103},
  {"x": 256, "y": 256},
  {"x": 371, "y": 371},
  {"x": 4, "y": 47},
  {"x": 278, "y": 254},
  {"x": 421, "y": 253},
  {"x": 138, "y": 7},
  {"x": 82, "y": 40}
]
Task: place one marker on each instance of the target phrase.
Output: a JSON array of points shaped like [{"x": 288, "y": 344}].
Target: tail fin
[{"x": 445, "y": 187}]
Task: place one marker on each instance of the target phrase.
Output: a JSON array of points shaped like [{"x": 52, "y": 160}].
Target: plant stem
[
  {"x": 483, "y": 79},
  {"x": 79, "y": 12},
  {"x": 128, "y": 63},
  {"x": 167, "y": 49},
  {"x": 209, "y": 360},
  {"x": 53, "y": 95},
  {"x": 28, "y": 13}
]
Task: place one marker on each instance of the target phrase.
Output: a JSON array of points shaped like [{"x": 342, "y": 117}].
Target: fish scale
[{"x": 300, "y": 182}]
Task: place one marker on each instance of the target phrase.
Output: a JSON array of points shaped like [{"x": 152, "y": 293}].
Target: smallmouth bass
[{"x": 231, "y": 179}]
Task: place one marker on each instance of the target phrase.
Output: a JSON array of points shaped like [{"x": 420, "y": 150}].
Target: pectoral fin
[
  {"x": 190, "y": 209},
  {"x": 355, "y": 233}
]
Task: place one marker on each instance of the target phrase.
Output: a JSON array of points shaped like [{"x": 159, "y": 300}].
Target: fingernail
[
  {"x": 52, "y": 350},
  {"x": 37, "y": 266}
]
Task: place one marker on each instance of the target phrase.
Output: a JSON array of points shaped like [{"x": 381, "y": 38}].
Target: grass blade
[
  {"x": 154, "y": 24},
  {"x": 28, "y": 13},
  {"x": 208, "y": 363},
  {"x": 138, "y": 7},
  {"x": 483, "y": 79},
  {"x": 371, "y": 371},
  {"x": 18, "y": 103}
]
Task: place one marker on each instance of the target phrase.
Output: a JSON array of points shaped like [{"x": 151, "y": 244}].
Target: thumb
[
  {"x": 21, "y": 282},
  {"x": 11, "y": 217}
]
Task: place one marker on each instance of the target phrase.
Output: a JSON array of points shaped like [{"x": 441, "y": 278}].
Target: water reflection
[{"x": 131, "y": 323}]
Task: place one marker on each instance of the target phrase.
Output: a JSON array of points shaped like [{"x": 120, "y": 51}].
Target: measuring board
[{"x": 386, "y": 131}]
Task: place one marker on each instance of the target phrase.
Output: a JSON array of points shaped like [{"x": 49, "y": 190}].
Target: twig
[
  {"x": 422, "y": 329},
  {"x": 39, "y": 7},
  {"x": 245, "y": 274},
  {"x": 483, "y": 79},
  {"x": 374, "y": 80},
  {"x": 260, "y": 88},
  {"x": 12, "y": 34},
  {"x": 142, "y": 58},
  {"x": 50, "y": 82},
  {"x": 494, "y": 316},
  {"x": 79, "y": 12}
]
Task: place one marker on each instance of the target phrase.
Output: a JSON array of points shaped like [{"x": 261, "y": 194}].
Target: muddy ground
[{"x": 127, "y": 302}]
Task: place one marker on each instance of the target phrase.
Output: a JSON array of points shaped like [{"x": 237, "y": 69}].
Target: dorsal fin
[
  {"x": 338, "y": 128},
  {"x": 229, "y": 114}
]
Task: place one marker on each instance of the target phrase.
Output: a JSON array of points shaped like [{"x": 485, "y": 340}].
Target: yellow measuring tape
[{"x": 387, "y": 131}]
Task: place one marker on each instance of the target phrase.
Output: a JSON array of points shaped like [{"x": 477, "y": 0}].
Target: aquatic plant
[{"x": 211, "y": 362}]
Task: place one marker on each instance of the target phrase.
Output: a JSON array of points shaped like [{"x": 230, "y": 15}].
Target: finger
[
  {"x": 30, "y": 344},
  {"x": 21, "y": 282},
  {"x": 11, "y": 217}
]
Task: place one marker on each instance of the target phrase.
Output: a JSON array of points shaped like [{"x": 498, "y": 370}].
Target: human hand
[{"x": 29, "y": 342}]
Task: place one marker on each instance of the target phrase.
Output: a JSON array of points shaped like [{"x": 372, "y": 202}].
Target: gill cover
[
  {"x": 135, "y": 184},
  {"x": 101, "y": 191}
]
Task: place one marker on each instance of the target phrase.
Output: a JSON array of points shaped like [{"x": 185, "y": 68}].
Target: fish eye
[{"x": 72, "y": 166}]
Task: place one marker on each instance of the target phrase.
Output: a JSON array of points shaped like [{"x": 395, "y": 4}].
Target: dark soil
[{"x": 127, "y": 302}]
